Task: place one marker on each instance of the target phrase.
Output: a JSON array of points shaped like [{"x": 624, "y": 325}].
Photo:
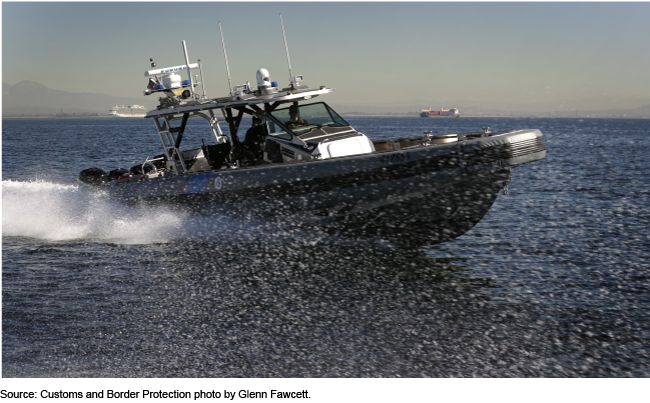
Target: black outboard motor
[
  {"x": 93, "y": 176},
  {"x": 160, "y": 161},
  {"x": 116, "y": 173},
  {"x": 141, "y": 169}
]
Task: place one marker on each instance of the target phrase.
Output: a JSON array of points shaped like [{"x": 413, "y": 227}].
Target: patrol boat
[{"x": 311, "y": 168}]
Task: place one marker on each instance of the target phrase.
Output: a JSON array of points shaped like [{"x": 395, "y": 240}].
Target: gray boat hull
[{"x": 423, "y": 194}]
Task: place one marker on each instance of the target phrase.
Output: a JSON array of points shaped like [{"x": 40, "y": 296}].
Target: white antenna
[
  {"x": 202, "y": 85},
  {"x": 225, "y": 55},
  {"x": 189, "y": 73},
  {"x": 285, "y": 46}
]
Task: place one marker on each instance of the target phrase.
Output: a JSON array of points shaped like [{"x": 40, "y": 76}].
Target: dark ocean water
[{"x": 554, "y": 282}]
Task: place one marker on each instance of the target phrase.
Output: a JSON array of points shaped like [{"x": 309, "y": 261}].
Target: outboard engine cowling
[
  {"x": 141, "y": 169},
  {"x": 116, "y": 173},
  {"x": 92, "y": 176}
]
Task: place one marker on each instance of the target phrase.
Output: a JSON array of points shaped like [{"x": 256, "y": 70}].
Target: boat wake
[{"x": 58, "y": 212}]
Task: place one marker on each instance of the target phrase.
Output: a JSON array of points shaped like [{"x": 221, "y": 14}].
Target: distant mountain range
[{"x": 31, "y": 98}]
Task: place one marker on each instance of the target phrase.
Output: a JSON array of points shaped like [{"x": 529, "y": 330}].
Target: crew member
[
  {"x": 295, "y": 121},
  {"x": 254, "y": 143}
]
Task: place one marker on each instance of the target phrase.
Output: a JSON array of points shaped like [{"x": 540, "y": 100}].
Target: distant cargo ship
[
  {"x": 442, "y": 113},
  {"x": 131, "y": 111}
]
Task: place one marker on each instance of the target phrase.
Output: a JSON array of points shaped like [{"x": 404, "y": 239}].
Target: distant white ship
[{"x": 131, "y": 111}]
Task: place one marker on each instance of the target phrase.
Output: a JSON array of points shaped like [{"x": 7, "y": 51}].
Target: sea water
[{"x": 553, "y": 282}]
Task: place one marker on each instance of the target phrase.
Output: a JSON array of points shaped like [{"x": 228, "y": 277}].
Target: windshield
[{"x": 301, "y": 119}]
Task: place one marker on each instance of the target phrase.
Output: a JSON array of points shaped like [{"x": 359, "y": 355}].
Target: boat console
[{"x": 295, "y": 132}]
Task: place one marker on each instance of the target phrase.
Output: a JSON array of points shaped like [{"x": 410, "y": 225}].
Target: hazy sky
[{"x": 370, "y": 52}]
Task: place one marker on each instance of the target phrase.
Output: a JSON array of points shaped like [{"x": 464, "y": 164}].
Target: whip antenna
[
  {"x": 225, "y": 55},
  {"x": 285, "y": 45},
  {"x": 187, "y": 64}
]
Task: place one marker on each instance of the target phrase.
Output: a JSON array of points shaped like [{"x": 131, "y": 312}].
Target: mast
[
  {"x": 202, "y": 85},
  {"x": 225, "y": 55},
  {"x": 286, "y": 47},
  {"x": 189, "y": 72}
]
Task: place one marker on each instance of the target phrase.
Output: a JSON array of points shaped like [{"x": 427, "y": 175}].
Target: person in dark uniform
[
  {"x": 254, "y": 143},
  {"x": 295, "y": 121}
]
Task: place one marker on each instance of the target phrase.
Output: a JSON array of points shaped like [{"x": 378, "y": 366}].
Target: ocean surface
[{"x": 553, "y": 282}]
